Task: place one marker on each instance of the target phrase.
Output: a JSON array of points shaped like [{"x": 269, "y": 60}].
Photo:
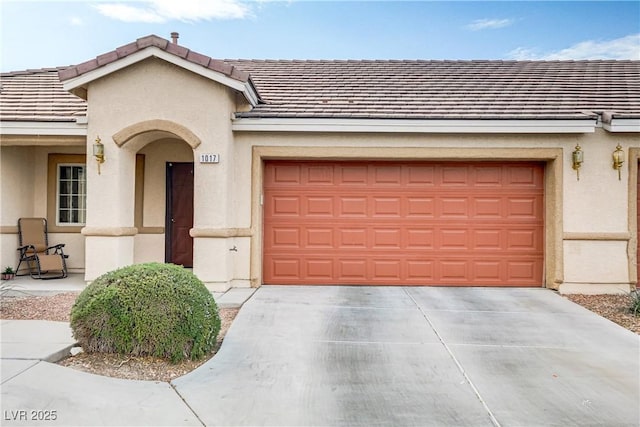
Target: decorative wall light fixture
[
  {"x": 98, "y": 152},
  {"x": 618, "y": 160},
  {"x": 577, "y": 158}
]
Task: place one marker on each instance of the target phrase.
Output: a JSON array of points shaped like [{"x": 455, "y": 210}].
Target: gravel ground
[
  {"x": 614, "y": 307},
  {"x": 58, "y": 307}
]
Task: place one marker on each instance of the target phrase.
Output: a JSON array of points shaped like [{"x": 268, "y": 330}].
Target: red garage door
[{"x": 387, "y": 223}]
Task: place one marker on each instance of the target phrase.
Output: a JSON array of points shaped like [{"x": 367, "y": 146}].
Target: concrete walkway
[
  {"x": 26, "y": 286},
  {"x": 365, "y": 356}
]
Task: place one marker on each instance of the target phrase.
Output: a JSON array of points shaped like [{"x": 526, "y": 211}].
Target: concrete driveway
[
  {"x": 417, "y": 356},
  {"x": 355, "y": 356}
]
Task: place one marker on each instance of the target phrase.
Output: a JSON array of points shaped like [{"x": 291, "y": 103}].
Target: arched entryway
[{"x": 164, "y": 190}]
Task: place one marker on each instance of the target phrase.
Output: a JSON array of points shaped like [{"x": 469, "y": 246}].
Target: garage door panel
[
  {"x": 353, "y": 175},
  {"x": 319, "y": 206},
  {"x": 445, "y": 223},
  {"x": 454, "y": 176},
  {"x": 454, "y": 207},
  {"x": 353, "y": 207},
  {"x": 420, "y": 207},
  {"x": 525, "y": 239},
  {"x": 286, "y": 174},
  {"x": 386, "y": 207},
  {"x": 524, "y": 207},
  {"x": 387, "y": 175},
  {"x": 320, "y": 269},
  {"x": 317, "y": 237},
  {"x": 423, "y": 175},
  {"x": 352, "y": 270},
  {"x": 420, "y": 271},
  {"x": 488, "y": 176},
  {"x": 386, "y": 270},
  {"x": 352, "y": 238},
  {"x": 487, "y": 239},
  {"x": 454, "y": 238},
  {"x": 285, "y": 206},
  {"x": 490, "y": 271},
  {"x": 525, "y": 271},
  {"x": 419, "y": 238},
  {"x": 386, "y": 238},
  {"x": 284, "y": 237},
  {"x": 283, "y": 269},
  {"x": 519, "y": 177},
  {"x": 487, "y": 207},
  {"x": 454, "y": 271},
  {"x": 320, "y": 175}
]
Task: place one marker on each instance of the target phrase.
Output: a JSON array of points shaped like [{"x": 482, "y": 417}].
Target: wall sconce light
[
  {"x": 618, "y": 160},
  {"x": 98, "y": 152},
  {"x": 577, "y": 158}
]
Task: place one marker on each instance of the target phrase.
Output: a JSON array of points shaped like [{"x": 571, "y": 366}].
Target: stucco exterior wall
[
  {"x": 150, "y": 91},
  {"x": 592, "y": 227},
  {"x": 597, "y": 227},
  {"x": 24, "y": 193}
]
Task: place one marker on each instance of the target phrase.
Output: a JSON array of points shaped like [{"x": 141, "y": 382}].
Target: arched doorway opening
[{"x": 164, "y": 189}]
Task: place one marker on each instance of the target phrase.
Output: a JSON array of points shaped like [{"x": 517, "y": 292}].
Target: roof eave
[
  {"x": 584, "y": 125},
  {"x": 622, "y": 125},
  {"x": 48, "y": 128},
  {"x": 78, "y": 85}
]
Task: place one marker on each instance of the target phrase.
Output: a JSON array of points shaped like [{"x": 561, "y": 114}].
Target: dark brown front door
[{"x": 179, "y": 244}]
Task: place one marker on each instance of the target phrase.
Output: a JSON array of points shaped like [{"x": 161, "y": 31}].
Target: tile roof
[
  {"x": 154, "y": 41},
  {"x": 37, "y": 95},
  {"x": 369, "y": 89},
  {"x": 444, "y": 89}
]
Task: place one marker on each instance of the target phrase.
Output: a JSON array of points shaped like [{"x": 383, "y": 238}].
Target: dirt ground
[{"x": 58, "y": 307}]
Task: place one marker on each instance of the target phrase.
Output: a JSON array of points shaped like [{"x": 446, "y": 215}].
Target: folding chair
[{"x": 43, "y": 261}]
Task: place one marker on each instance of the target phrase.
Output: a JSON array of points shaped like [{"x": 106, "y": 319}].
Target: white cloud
[
  {"x": 627, "y": 47},
  {"x": 76, "y": 21},
  {"x": 125, "y": 13},
  {"x": 159, "y": 11},
  {"x": 489, "y": 24}
]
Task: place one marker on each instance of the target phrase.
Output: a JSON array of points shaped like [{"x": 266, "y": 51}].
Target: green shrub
[{"x": 149, "y": 309}]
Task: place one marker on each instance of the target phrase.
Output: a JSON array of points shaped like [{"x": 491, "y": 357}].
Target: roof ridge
[
  {"x": 430, "y": 61},
  {"x": 160, "y": 43}
]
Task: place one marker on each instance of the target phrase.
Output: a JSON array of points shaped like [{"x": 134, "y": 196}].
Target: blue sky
[{"x": 41, "y": 33}]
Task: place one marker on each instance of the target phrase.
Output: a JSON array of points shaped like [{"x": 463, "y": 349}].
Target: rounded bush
[{"x": 148, "y": 309}]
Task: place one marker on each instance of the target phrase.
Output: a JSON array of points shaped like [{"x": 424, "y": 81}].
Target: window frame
[
  {"x": 71, "y": 209},
  {"x": 53, "y": 170}
]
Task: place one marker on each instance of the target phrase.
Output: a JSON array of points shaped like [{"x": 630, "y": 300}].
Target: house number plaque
[{"x": 209, "y": 158}]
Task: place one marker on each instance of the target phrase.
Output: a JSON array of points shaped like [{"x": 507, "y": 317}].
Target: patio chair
[{"x": 43, "y": 261}]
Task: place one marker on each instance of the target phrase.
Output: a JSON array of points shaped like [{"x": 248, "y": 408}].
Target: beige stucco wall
[
  {"x": 592, "y": 227},
  {"x": 597, "y": 227},
  {"x": 147, "y": 91},
  {"x": 23, "y": 193}
]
